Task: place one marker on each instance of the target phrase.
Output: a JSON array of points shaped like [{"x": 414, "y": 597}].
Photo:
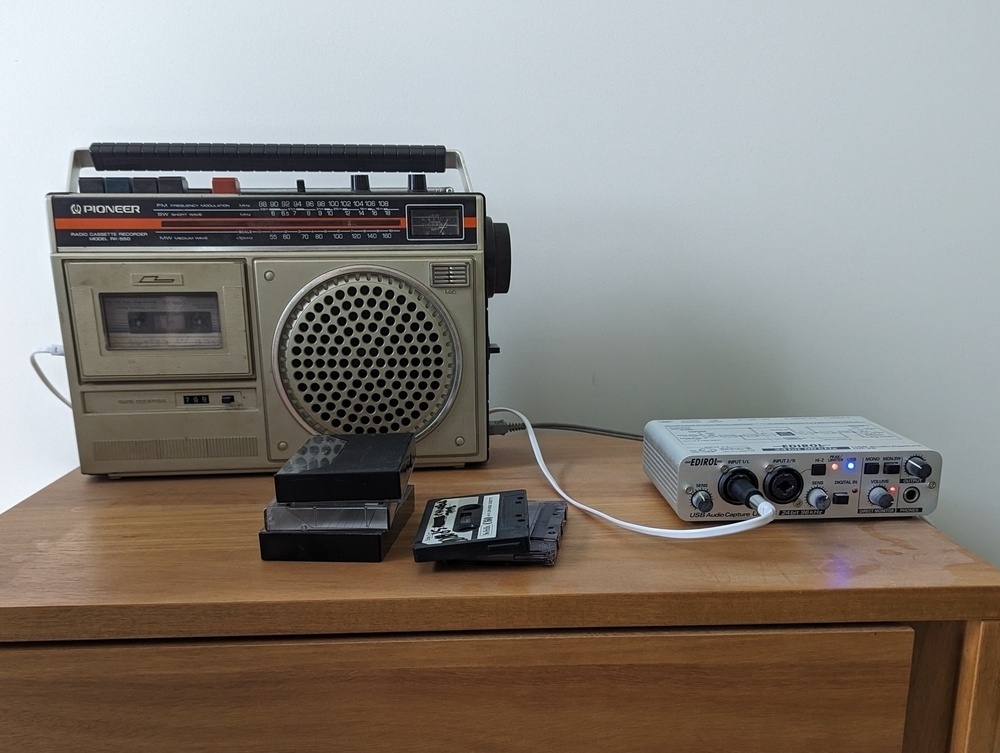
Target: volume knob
[
  {"x": 917, "y": 466},
  {"x": 880, "y": 497}
]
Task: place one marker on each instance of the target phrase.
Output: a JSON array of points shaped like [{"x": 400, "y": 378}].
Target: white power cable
[
  {"x": 765, "y": 509},
  {"x": 52, "y": 350}
]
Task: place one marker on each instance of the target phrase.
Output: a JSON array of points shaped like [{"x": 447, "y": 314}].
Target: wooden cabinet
[
  {"x": 137, "y": 615},
  {"x": 646, "y": 690}
]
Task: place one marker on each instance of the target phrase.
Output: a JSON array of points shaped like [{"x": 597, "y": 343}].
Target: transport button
[
  {"x": 118, "y": 185},
  {"x": 172, "y": 184},
  {"x": 225, "y": 185},
  {"x": 91, "y": 185}
]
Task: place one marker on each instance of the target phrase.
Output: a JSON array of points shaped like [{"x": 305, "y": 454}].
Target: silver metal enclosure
[{"x": 815, "y": 468}]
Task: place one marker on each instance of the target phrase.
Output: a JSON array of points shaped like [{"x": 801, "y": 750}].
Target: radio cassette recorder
[{"x": 214, "y": 329}]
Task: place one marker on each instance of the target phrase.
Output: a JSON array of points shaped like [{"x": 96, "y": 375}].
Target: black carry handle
[{"x": 269, "y": 157}]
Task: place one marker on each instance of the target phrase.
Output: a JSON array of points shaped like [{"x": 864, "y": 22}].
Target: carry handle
[
  {"x": 157, "y": 157},
  {"x": 338, "y": 158}
]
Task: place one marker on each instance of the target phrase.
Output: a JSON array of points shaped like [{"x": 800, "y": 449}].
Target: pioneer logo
[
  {"x": 704, "y": 461},
  {"x": 105, "y": 209}
]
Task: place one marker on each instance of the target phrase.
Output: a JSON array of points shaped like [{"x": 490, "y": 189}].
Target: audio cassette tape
[{"x": 500, "y": 527}]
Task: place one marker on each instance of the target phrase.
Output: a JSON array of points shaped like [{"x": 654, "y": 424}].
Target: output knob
[
  {"x": 702, "y": 501},
  {"x": 917, "y": 466},
  {"x": 880, "y": 497}
]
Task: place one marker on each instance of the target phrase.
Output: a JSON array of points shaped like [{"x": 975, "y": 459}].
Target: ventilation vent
[
  {"x": 166, "y": 449},
  {"x": 367, "y": 350},
  {"x": 663, "y": 475},
  {"x": 450, "y": 275}
]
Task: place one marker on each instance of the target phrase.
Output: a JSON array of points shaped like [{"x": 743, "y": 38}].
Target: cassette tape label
[
  {"x": 465, "y": 518},
  {"x": 488, "y": 525}
]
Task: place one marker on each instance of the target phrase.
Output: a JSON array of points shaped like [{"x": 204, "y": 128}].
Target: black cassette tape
[
  {"x": 462, "y": 528},
  {"x": 335, "y": 467},
  {"x": 547, "y": 520}
]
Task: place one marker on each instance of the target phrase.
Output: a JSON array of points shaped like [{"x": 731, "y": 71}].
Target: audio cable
[
  {"x": 500, "y": 428},
  {"x": 745, "y": 492},
  {"x": 52, "y": 350}
]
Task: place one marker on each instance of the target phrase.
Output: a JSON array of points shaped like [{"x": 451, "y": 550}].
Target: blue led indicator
[{"x": 851, "y": 465}]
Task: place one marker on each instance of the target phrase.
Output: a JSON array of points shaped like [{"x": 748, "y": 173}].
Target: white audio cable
[
  {"x": 52, "y": 350},
  {"x": 765, "y": 509}
]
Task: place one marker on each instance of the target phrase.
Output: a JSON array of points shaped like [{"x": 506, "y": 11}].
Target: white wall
[{"x": 718, "y": 209}]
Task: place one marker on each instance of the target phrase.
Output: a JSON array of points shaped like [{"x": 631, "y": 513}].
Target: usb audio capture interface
[{"x": 825, "y": 467}]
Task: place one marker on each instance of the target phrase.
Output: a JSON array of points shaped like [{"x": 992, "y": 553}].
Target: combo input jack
[
  {"x": 783, "y": 485},
  {"x": 911, "y": 494},
  {"x": 736, "y": 486}
]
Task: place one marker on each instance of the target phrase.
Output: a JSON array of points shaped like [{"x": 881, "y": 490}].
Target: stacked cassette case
[{"x": 327, "y": 505}]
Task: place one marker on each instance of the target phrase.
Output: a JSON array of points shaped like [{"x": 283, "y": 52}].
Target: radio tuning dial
[
  {"x": 818, "y": 498},
  {"x": 702, "y": 501},
  {"x": 880, "y": 497},
  {"x": 496, "y": 257},
  {"x": 917, "y": 466}
]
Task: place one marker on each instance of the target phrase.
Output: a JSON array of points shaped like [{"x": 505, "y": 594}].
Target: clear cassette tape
[{"x": 377, "y": 515}]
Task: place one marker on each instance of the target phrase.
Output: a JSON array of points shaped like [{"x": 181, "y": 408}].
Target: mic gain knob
[
  {"x": 702, "y": 501},
  {"x": 818, "y": 498}
]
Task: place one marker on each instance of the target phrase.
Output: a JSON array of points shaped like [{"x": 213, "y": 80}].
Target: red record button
[{"x": 225, "y": 185}]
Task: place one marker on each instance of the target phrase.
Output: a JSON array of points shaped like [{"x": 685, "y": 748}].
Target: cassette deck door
[{"x": 157, "y": 319}]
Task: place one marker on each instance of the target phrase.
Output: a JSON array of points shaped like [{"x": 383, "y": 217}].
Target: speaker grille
[
  {"x": 367, "y": 350},
  {"x": 167, "y": 449}
]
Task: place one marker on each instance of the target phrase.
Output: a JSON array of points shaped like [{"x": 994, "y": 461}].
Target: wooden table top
[{"x": 94, "y": 558}]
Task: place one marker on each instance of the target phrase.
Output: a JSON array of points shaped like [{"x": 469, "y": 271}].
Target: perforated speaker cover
[{"x": 367, "y": 350}]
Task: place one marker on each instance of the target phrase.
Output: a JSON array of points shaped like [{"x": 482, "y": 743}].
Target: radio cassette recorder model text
[
  {"x": 214, "y": 328},
  {"x": 823, "y": 467}
]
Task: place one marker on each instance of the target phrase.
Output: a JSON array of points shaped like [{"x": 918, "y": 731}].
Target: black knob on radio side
[
  {"x": 417, "y": 183},
  {"x": 917, "y": 466},
  {"x": 360, "y": 183},
  {"x": 497, "y": 257}
]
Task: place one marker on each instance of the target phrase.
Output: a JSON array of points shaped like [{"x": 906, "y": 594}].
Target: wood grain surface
[
  {"x": 977, "y": 717},
  {"x": 93, "y": 558},
  {"x": 138, "y": 614},
  {"x": 796, "y": 691},
  {"x": 937, "y": 652}
]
